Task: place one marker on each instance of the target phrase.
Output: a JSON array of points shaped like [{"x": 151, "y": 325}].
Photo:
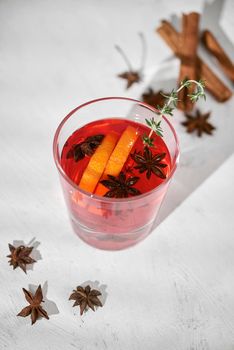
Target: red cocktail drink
[{"x": 113, "y": 183}]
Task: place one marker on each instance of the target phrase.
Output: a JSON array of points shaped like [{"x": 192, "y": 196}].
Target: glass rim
[{"x": 106, "y": 199}]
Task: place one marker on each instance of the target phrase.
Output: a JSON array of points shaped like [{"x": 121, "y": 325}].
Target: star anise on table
[
  {"x": 131, "y": 77},
  {"x": 150, "y": 163},
  {"x": 87, "y": 147},
  {"x": 120, "y": 186},
  {"x": 85, "y": 298},
  {"x": 19, "y": 256},
  {"x": 198, "y": 123},
  {"x": 34, "y": 308},
  {"x": 154, "y": 98}
]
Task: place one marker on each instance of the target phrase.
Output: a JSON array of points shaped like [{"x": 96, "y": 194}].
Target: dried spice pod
[
  {"x": 150, "y": 163},
  {"x": 87, "y": 147},
  {"x": 34, "y": 308},
  {"x": 19, "y": 256},
  {"x": 213, "y": 84},
  {"x": 198, "y": 123},
  {"x": 188, "y": 55},
  {"x": 120, "y": 186},
  {"x": 213, "y": 46},
  {"x": 154, "y": 98},
  {"x": 133, "y": 75},
  {"x": 85, "y": 297}
]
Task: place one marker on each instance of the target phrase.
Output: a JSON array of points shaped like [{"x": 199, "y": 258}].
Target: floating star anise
[
  {"x": 199, "y": 123},
  {"x": 20, "y": 256},
  {"x": 34, "y": 308},
  {"x": 120, "y": 186},
  {"x": 85, "y": 298},
  {"x": 150, "y": 163},
  {"x": 154, "y": 98},
  {"x": 129, "y": 170},
  {"x": 87, "y": 147},
  {"x": 131, "y": 77}
]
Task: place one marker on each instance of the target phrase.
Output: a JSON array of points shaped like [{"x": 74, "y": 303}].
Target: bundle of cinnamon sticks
[{"x": 185, "y": 45}]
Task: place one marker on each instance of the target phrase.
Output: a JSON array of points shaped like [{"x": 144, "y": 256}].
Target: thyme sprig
[{"x": 170, "y": 104}]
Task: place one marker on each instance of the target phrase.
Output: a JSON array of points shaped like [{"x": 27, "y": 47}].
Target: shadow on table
[{"x": 200, "y": 157}]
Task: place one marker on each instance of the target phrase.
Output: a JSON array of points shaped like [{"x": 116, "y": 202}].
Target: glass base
[{"x": 108, "y": 241}]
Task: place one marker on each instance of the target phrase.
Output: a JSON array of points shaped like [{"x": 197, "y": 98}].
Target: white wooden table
[{"x": 174, "y": 291}]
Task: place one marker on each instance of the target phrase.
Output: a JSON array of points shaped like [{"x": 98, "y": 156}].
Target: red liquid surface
[
  {"x": 107, "y": 224},
  {"x": 75, "y": 169}
]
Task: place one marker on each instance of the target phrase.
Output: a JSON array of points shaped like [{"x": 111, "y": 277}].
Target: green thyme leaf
[{"x": 170, "y": 105}]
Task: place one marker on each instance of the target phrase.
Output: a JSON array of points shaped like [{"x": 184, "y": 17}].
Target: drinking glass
[{"x": 112, "y": 223}]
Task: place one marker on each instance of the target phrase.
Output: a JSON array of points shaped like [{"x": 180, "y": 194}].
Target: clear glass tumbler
[{"x": 111, "y": 223}]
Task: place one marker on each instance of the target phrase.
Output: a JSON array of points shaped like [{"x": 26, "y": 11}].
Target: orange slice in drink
[
  {"x": 97, "y": 163},
  {"x": 119, "y": 156}
]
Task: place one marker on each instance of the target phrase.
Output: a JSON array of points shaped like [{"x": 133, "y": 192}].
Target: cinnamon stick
[
  {"x": 188, "y": 55},
  {"x": 213, "y": 84},
  {"x": 213, "y": 46}
]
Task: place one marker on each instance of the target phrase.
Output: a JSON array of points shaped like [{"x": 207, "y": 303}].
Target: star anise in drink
[
  {"x": 129, "y": 170},
  {"x": 150, "y": 163},
  {"x": 85, "y": 298},
  {"x": 87, "y": 147},
  {"x": 198, "y": 123},
  {"x": 19, "y": 256},
  {"x": 154, "y": 98},
  {"x": 34, "y": 308},
  {"x": 120, "y": 186}
]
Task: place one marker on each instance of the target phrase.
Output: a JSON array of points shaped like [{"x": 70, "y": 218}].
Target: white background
[{"x": 174, "y": 291}]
